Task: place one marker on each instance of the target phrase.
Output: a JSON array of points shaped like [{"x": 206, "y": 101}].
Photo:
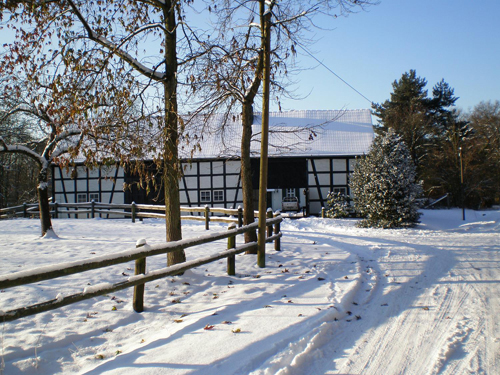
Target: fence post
[
  {"x": 277, "y": 229},
  {"x": 231, "y": 260},
  {"x": 207, "y": 217},
  {"x": 133, "y": 209},
  {"x": 92, "y": 209},
  {"x": 25, "y": 210},
  {"x": 140, "y": 268},
  {"x": 269, "y": 215},
  {"x": 322, "y": 212},
  {"x": 56, "y": 213},
  {"x": 240, "y": 216}
]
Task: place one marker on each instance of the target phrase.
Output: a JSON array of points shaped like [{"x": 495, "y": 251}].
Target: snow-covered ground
[{"x": 336, "y": 300}]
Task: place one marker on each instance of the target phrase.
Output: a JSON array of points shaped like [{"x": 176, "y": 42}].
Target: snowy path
[
  {"x": 424, "y": 309},
  {"x": 336, "y": 300}
]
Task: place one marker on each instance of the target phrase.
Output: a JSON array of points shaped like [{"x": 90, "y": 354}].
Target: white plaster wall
[
  {"x": 205, "y": 183},
  {"x": 232, "y": 181},
  {"x": 93, "y": 186},
  {"x": 322, "y": 165},
  {"x": 81, "y": 186},
  {"x": 218, "y": 167},
  {"x": 339, "y": 179},
  {"x": 233, "y": 166},
  {"x": 204, "y": 167},
  {"x": 94, "y": 173},
  {"x": 218, "y": 182},
  {"x": 190, "y": 169},
  {"x": 191, "y": 182},
  {"x": 339, "y": 165}
]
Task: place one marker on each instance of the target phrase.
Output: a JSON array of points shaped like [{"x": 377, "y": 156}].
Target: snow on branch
[{"x": 21, "y": 149}]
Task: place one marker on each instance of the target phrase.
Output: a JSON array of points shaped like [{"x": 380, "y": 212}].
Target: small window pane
[
  {"x": 94, "y": 197},
  {"x": 205, "y": 196},
  {"x": 81, "y": 198},
  {"x": 218, "y": 195}
]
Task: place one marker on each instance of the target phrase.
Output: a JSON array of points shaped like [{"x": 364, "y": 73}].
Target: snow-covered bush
[
  {"x": 338, "y": 206},
  {"x": 383, "y": 185}
]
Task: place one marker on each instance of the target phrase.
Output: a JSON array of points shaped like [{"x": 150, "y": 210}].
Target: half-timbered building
[{"x": 310, "y": 154}]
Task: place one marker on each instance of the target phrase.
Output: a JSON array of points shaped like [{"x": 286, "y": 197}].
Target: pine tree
[{"x": 383, "y": 185}]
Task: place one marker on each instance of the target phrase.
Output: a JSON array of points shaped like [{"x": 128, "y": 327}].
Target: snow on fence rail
[
  {"x": 139, "y": 254},
  {"x": 91, "y": 209}
]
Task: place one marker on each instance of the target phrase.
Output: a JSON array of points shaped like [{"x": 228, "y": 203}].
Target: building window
[
  {"x": 218, "y": 195},
  {"x": 81, "y": 198},
  {"x": 289, "y": 193},
  {"x": 340, "y": 190},
  {"x": 205, "y": 196},
  {"x": 94, "y": 197}
]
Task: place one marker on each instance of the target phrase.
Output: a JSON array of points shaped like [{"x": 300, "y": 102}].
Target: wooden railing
[
  {"x": 134, "y": 211},
  {"x": 139, "y": 254}
]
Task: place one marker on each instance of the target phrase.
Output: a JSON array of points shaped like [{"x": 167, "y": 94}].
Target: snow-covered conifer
[
  {"x": 338, "y": 206},
  {"x": 383, "y": 185}
]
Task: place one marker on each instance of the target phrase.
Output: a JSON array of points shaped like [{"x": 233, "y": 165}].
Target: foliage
[
  {"x": 383, "y": 184},
  {"x": 415, "y": 116},
  {"x": 18, "y": 174},
  {"x": 445, "y": 144},
  {"x": 338, "y": 205},
  {"x": 142, "y": 46}
]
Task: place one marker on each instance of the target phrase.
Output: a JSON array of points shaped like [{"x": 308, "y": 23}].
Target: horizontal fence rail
[
  {"x": 133, "y": 211},
  {"x": 137, "y": 254}
]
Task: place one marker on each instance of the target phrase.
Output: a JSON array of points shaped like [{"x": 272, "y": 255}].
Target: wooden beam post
[
  {"x": 277, "y": 229},
  {"x": 140, "y": 268},
  {"x": 269, "y": 215},
  {"x": 133, "y": 211},
  {"x": 240, "y": 216},
  {"x": 231, "y": 260},
  {"x": 207, "y": 217}
]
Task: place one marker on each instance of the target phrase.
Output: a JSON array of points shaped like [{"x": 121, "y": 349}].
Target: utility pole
[{"x": 265, "y": 18}]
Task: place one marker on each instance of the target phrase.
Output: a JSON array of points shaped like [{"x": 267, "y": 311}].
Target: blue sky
[{"x": 458, "y": 40}]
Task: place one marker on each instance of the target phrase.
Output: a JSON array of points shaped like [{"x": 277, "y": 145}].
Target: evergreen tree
[
  {"x": 338, "y": 205},
  {"x": 420, "y": 120},
  {"x": 383, "y": 185},
  {"x": 406, "y": 113}
]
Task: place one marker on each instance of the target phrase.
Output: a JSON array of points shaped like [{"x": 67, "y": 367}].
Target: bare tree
[
  {"x": 139, "y": 41},
  {"x": 234, "y": 68}
]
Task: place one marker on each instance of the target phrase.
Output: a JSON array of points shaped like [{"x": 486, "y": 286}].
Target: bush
[
  {"x": 383, "y": 185},
  {"x": 338, "y": 206}
]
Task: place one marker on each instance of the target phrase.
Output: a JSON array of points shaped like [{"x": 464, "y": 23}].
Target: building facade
[{"x": 311, "y": 153}]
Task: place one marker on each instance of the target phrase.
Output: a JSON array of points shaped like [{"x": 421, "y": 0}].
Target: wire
[{"x": 331, "y": 71}]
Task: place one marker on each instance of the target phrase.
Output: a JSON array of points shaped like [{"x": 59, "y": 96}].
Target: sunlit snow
[{"x": 336, "y": 300}]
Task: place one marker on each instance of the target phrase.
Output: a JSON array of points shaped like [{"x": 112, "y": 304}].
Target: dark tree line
[{"x": 446, "y": 144}]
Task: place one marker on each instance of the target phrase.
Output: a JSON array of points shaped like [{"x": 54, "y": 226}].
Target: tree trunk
[
  {"x": 246, "y": 173},
  {"x": 171, "y": 167},
  {"x": 43, "y": 201},
  {"x": 265, "y": 17}
]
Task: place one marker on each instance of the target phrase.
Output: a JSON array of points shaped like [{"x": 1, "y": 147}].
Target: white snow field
[{"x": 336, "y": 300}]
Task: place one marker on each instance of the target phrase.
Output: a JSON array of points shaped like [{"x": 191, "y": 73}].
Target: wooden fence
[
  {"x": 139, "y": 254},
  {"x": 134, "y": 211}
]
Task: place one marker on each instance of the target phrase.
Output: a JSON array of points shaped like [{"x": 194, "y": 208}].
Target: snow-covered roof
[{"x": 294, "y": 133}]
